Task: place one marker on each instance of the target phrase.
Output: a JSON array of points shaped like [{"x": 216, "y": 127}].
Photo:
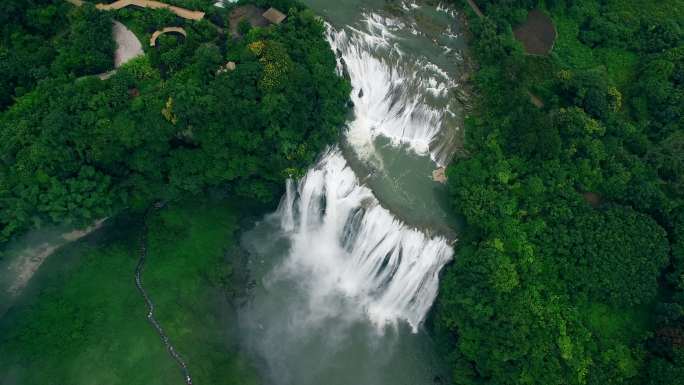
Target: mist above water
[
  {"x": 344, "y": 243},
  {"x": 345, "y": 290}
]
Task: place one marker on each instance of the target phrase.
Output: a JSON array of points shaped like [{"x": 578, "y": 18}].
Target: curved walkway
[
  {"x": 156, "y": 34},
  {"x": 150, "y": 306},
  {"x": 475, "y": 8},
  {"x": 182, "y": 12}
]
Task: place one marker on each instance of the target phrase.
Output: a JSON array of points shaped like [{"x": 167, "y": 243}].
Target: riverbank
[{"x": 22, "y": 258}]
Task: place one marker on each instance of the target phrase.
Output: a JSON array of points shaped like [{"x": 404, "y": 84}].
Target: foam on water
[
  {"x": 350, "y": 255},
  {"x": 393, "y": 92},
  {"x": 446, "y": 9},
  {"x": 343, "y": 243},
  {"x": 338, "y": 270}
]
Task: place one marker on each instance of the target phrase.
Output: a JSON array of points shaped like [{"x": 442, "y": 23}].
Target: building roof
[{"x": 274, "y": 16}]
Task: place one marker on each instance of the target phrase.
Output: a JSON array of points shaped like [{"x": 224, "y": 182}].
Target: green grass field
[{"x": 82, "y": 321}]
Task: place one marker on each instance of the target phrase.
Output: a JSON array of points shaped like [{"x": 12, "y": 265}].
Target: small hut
[{"x": 274, "y": 16}]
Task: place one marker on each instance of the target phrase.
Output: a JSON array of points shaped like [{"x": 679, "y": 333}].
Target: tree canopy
[
  {"x": 569, "y": 271},
  {"x": 168, "y": 124}
]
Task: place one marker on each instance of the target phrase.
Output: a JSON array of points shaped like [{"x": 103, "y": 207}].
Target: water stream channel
[{"x": 348, "y": 266}]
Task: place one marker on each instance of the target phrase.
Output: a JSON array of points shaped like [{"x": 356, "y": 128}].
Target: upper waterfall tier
[{"x": 396, "y": 94}]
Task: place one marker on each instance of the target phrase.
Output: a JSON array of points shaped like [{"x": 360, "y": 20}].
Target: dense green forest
[
  {"x": 167, "y": 125},
  {"x": 571, "y": 270}
]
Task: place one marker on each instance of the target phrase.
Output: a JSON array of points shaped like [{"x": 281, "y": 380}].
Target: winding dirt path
[
  {"x": 475, "y": 8},
  {"x": 182, "y": 12},
  {"x": 150, "y": 307},
  {"x": 156, "y": 34}
]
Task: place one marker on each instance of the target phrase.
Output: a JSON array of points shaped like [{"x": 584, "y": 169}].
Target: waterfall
[
  {"x": 344, "y": 243},
  {"x": 344, "y": 284},
  {"x": 395, "y": 95},
  {"x": 349, "y": 254}
]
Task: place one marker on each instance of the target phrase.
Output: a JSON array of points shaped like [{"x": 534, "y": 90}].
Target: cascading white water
[
  {"x": 338, "y": 270},
  {"x": 346, "y": 244},
  {"x": 393, "y": 95}
]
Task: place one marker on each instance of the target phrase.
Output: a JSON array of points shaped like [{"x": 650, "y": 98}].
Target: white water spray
[
  {"x": 393, "y": 94},
  {"x": 350, "y": 255},
  {"x": 344, "y": 243}
]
